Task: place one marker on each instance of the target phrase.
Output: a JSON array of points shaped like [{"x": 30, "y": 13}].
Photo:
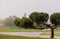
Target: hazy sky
[{"x": 19, "y": 7}]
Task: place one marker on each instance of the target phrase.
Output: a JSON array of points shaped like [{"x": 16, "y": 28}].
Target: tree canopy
[
  {"x": 17, "y": 21},
  {"x": 26, "y": 23},
  {"x": 39, "y": 17},
  {"x": 55, "y": 18}
]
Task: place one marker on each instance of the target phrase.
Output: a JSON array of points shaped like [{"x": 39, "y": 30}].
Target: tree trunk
[{"x": 52, "y": 32}]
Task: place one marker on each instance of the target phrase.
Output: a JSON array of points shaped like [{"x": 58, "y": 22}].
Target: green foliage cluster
[
  {"x": 17, "y": 21},
  {"x": 34, "y": 18},
  {"x": 26, "y": 23},
  {"x": 38, "y": 19},
  {"x": 55, "y": 18}
]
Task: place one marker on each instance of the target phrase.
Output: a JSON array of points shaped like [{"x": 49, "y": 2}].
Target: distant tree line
[{"x": 37, "y": 19}]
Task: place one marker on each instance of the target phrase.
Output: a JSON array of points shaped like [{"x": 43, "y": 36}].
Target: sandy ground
[{"x": 28, "y": 34}]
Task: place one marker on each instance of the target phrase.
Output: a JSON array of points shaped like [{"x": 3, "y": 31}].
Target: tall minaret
[{"x": 24, "y": 14}]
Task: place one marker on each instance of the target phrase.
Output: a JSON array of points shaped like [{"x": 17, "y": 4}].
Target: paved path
[{"x": 28, "y": 34}]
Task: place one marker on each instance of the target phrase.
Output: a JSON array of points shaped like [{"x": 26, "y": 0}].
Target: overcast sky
[{"x": 19, "y": 7}]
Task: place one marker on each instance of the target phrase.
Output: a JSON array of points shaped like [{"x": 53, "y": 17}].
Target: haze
[{"x": 19, "y": 7}]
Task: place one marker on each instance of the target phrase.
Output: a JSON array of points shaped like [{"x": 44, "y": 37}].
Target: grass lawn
[
  {"x": 8, "y": 29},
  {"x": 48, "y": 34},
  {"x": 18, "y": 37}
]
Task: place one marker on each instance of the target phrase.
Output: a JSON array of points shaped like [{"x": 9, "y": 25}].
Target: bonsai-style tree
[{"x": 39, "y": 17}]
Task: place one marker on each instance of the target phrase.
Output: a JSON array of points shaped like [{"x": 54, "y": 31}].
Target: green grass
[
  {"x": 48, "y": 34},
  {"x": 18, "y": 37},
  {"x": 9, "y": 29}
]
